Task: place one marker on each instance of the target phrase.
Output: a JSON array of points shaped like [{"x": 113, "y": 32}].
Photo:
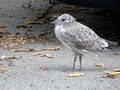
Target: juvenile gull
[{"x": 77, "y": 37}]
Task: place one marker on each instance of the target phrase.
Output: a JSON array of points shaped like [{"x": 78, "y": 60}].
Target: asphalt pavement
[{"x": 25, "y": 73}]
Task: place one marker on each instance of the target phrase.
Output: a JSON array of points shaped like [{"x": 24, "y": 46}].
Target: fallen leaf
[
  {"x": 56, "y": 43},
  {"x": 2, "y": 26},
  {"x": 24, "y": 50},
  {"x": 23, "y": 27},
  {"x": 4, "y": 57},
  {"x": 37, "y": 53},
  {"x": 47, "y": 55},
  {"x": 101, "y": 65},
  {"x": 13, "y": 50},
  {"x": 3, "y": 70},
  {"x": 42, "y": 67},
  {"x": 52, "y": 49},
  {"x": 114, "y": 74},
  {"x": 35, "y": 21},
  {"x": 2, "y": 31},
  {"x": 117, "y": 53},
  {"x": 117, "y": 70},
  {"x": 17, "y": 57},
  {"x": 76, "y": 75},
  {"x": 107, "y": 72}
]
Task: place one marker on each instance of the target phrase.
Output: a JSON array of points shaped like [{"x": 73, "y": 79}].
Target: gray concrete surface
[{"x": 26, "y": 74}]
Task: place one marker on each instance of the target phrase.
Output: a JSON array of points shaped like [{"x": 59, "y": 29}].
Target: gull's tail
[{"x": 111, "y": 43}]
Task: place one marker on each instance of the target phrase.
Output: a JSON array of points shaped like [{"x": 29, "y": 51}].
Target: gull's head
[{"x": 64, "y": 19}]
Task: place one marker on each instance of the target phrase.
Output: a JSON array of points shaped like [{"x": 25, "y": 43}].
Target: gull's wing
[{"x": 80, "y": 36}]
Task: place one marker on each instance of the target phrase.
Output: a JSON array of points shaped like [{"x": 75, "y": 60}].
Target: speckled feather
[{"x": 79, "y": 37}]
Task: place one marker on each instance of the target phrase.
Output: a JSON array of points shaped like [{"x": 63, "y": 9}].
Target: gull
[{"x": 78, "y": 37}]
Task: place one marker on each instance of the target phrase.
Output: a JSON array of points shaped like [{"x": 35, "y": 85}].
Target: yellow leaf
[
  {"x": 114, "y": 73},
  {"x": 52, "y": 49},
  {"x": 3, "y": 70},
  {"x": 4, "y": 57},
  {"x": 25, "y": 22},
  {"x": 13, "y": 50},
  {"x": 101, "y": 65},
  {"x": 47, "y": 55},
  {"x": 42, "y": 67},
  {"x": 37, "y": 53},
  {"x": 117, "y": 70},
  {"x": 107, "y": 72},
  {"x": 117, "y": 53},
  {"x": 17, "y": 57},
  {"x": 76, "y": 75}
]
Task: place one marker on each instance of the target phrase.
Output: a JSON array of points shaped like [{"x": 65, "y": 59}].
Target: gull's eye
[{"x": 63, "y": 19}]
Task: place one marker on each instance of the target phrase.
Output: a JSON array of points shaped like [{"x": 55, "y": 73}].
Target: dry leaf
[
  {"x": 4, "y": 57},
  {"x": 23, "y": 27},
  {"x": 3, "y": 70},
  {"x": 2, "y": 31},
  {"x": 52, "y": 49},
  {"x": 114, "y": 74},
  {"x": 37, "y": 53},
  {"x": 24, "y": 50},
  {"x": 56, "y": 43},
  {"x": 76, "y": 75},
  {"x": 42, "y": 67},
  {"x": 17, "y": 57},
  {"x": 107, "y": 72},
  {"x": 117, "y": 70},
  {"x": 117, "y": 53},
  {"x": 47, "y": 55},
  {"x": 2, "y": 26},
  {"x": 13, "y": 50},
  {"x": 35, "y": 21},
  {"x": 101, "y": 65}
]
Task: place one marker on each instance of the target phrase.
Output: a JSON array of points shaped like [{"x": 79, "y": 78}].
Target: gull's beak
[{"x": 53, "y": 22}]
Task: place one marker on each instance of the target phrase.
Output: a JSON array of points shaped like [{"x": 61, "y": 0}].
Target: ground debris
[
  {"x": 37, "y": 53},
  {"x": 35, "y": 21},
  {"x": 3, "y": 57},
  {"x": 8, "y": 58},
  {"x": 24, "y": 50},
  {"x": 23, "y": 27},
  {"x": 3, "y": 70},
  {"x": 43, "y": 67},
  {"x": 117, "y": 53},
  {"x": 52, "y": 49},
  {"x": 47, "y": 55},
  {"x": 116, "y": 70},
  {"x": 101, "y": 65},
  {"x": 56, "y": 43},
  {"x": 3, "y": 32},
  {"x": 15, "y": 41},
  {"x": 76, "y": 75},
  {"x": 114, "y": 74},
  {"x": 16, "y": 57},
  {"x": 2, "y": 26}
]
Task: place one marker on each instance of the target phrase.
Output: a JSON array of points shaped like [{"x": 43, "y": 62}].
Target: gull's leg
[
  {"x": 74, "y": 63},
  {"x": 80, "y": 58}
]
